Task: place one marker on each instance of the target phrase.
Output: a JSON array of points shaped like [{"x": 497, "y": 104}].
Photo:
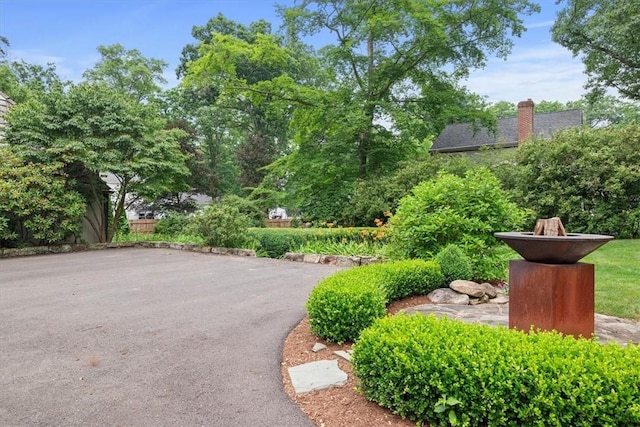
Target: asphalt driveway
[{"x": 148, "y": 337}]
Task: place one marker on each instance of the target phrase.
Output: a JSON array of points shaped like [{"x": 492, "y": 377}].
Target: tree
[
  {"x": 605, "y": 33},
  {"x": 3, "y": 49},
  {"x": 37, "y": 204},
  {"x": 228, "y": 58},
  {"x": 590, "y": 178},
  {"x": 21, "y": 80},
  {"x": 92, "y": 129},
  {"x": 392, "y": 85},
  {"x": 127, "y": 71},
  {"x": 200, "y": 179},
  {"x": 391, "y": 55}
]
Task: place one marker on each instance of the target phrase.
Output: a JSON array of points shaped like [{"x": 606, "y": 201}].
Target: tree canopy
[
  {"x": 92, "y": 129},
  {"x": 605, "y": 34}
]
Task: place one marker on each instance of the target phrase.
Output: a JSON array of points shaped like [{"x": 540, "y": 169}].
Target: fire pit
[
  {"x": 567, "y": 249},
  {"x": 550, "y": 289}
]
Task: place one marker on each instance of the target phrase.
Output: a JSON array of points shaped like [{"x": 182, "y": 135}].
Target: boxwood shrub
[
  {"x": 447, "y": 372},
  {"x": 403, "y": 279},
  {"x": 344, "y": 304},
  {"x": 455, "y": 264}
]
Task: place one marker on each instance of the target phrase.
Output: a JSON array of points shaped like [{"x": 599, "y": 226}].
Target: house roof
[{"x": 461, "y": 136}]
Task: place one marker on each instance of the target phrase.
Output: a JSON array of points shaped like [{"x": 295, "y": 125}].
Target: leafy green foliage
[
  {"x": 374, "y": 197},
  {"x": 454, "y": 210},
  {"x": 455, "y": 264},
  {"x": 341, "y": 306},
  {"x": 92, "y": 129},
  {"x": 407, "y": 278},
  {"x": 247, "y": 72},
  {"x": 275, "y": 242},
  {"x": 246, "y": 207},
  {"x": 21, "y": 81},
  {"x": 415, "y": 365},
  {"x": 590, "y": 178},
  {"x": 603, "y": 33},
  {"x": 36, "y": 204},
  {"x": 172, "y": 225},
  {"x": 220, "y": 225},
  {"x": 128, "y": 72},
  {"x": 347, "y": 248}
]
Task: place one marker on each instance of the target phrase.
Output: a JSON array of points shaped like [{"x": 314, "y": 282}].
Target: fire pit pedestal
[{"x": 549, "y": 289}]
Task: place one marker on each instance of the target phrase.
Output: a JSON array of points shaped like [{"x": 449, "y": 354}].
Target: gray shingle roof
[{"x": 461, "y": 137}]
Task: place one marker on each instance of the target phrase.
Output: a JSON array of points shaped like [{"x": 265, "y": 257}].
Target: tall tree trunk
[
  {"x": 122, "y": 195},
  {"x": 364, "y": 137}
]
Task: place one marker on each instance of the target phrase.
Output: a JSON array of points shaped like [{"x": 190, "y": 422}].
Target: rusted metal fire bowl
[{"x": 567, "y": 249}]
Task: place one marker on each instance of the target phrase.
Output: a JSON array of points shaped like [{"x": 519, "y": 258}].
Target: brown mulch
[{"x": 337, "y": 406}]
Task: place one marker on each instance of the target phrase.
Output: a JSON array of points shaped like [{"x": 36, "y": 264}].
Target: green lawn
[{"x": 617, "y": 267}]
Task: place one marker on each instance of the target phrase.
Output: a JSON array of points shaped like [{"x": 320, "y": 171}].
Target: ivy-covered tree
[{"x": 37, "y": 203}]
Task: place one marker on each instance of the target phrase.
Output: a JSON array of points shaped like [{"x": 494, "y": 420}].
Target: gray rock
[
  {"x": 317, "y": 376},
  {"x": 369, "y": 260},
  {"x": 489, "y": 289},
  {"x": 311, "y": 258},
  {"x": 293, "y": 256},
  {"x": 501, "y": 299},
  {"x": 448, "y": 296},
  {"x": 468, "y": 287},
  {"x": 328, "y": 259},
  {"x": 347, "y": 261},
  {"x": 344, "y": 354},
  {"x": 317, "y": 347},
  {"x": 482, "y": 300}
]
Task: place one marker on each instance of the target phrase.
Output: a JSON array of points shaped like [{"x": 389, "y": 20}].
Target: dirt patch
[{"x": 337, "y": 406}]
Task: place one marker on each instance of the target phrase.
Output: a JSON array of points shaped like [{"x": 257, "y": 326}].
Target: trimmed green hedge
[
  {"x": 343, "y": 305},
  {"x": 275, "y": 242},
  {"x": 447, "y": 372}
]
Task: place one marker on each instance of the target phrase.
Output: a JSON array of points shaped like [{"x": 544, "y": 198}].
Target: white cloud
[
  {"x": 540, "y": 24},
  {"x": 67, "y": 69},
  {"x": 549, "y": 73}
]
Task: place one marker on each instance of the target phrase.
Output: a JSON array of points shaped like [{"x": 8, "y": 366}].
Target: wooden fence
[
  {"x": 142, "y": 225},
  {"x": 278, "y": 223}
]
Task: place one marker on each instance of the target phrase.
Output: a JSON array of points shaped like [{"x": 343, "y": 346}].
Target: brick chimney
[{"x": 525, "y": 120}]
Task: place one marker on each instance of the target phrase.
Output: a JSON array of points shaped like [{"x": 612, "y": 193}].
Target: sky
[{"x": 67, "y": 33}]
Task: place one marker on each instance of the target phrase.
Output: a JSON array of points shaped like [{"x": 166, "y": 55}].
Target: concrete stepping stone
[{"x": 317, "y": 376}]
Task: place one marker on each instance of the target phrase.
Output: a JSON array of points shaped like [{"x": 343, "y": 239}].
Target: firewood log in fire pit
[{"x": 549, "y": 227}]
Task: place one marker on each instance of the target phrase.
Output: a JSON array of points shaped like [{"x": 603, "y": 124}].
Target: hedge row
[
  {"x": 343, "y": 305},
  {"x": 275, "y": 242},
  {"x": 446, "y": 372}
]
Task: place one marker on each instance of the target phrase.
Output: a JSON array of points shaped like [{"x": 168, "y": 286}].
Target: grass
[{"x": 617, "y": 266}]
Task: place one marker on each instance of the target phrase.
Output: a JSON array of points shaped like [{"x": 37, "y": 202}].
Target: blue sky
[{"x": 67, "y": 32}]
